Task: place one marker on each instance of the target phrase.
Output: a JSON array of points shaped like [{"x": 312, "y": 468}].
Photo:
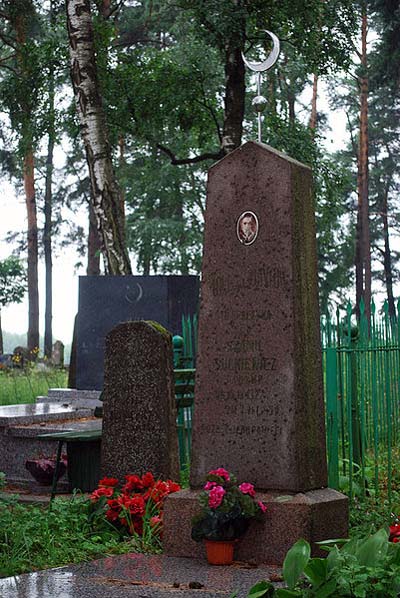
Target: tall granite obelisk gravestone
[
  {"x": 259, "y": 407},
  {"x": 139, "y": 410}
]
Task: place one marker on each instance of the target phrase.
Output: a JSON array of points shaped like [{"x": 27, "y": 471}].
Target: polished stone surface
[
  {"x": 19, "y": 442},
  {"x": 139, "y": 576},
  {"x": 31, "y": 412},
  {"x": 106, "y": 301}
]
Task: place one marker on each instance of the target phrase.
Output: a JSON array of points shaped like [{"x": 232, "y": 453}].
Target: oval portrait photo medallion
[{"x": 247, "y": 228}]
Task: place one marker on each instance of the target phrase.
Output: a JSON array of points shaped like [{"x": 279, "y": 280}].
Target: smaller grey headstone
[
  {"x": 57, "y": 354},
  {"x": 139, "y": 420}
]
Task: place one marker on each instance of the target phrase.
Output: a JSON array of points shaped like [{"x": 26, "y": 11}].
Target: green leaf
[
  {"x": 295, "y": 561},
  {"x": 328, "y": 589},
  {"x": 283, "y": 593},
  {"x": 316, "y": 571},
  {"x": 261, "y": 589},
  {"x": 333, "y": 559},
  {"x": 373, "y": 550}
]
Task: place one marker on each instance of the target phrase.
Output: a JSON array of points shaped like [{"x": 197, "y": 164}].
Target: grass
[
  {"x": 34, "y": 537},
  {"x": 23, "y": 386}
]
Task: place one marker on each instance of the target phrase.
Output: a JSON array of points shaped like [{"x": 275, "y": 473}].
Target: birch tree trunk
[
  {"x": 94, "y": 246},
  {"x": 105, "y": 193}
]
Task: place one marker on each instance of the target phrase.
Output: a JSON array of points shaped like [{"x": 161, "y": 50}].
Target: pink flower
[
  {"x": 246, "y": 488},
  {"x": 221, "y": 472},
  {"x": 215, "y": 497},
  {"x": 262, "y": 506},
  {"x": 209, "y": 485}
]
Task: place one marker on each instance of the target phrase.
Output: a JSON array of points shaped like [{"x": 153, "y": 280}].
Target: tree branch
[
  {"x": 9, "y": 41},
  {"x": 177, "y": 161},
  {"x": 7, "y": 57}
]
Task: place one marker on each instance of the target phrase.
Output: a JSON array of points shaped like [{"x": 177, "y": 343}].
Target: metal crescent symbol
[
  {"x": 140, "y": 292},
  {"x": 129, "y": 296},
  {"x": 266, "y": 64}
]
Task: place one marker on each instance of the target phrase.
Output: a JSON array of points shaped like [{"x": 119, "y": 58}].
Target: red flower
[
  {"x": 112, "y": 515},
  {"x": 108, "y": 482},
  {"x": 221, "y": 472},
  {"x": 136, "y": 505},
  {"x": 172, "y": 486},
  {"x": 154, "y": 521},
  {"x": 133, "y": 482},
  {"x": 102, "y": 491},
  {"x": 148, "y": 480},
  {"x": 247, "y": 488},
  {"x": 394, "y": 533}
]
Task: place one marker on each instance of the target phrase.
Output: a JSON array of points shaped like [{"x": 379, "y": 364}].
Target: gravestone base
[{"x": 315, "y": 515}]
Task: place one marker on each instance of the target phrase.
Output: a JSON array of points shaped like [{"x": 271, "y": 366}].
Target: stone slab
[
  {"x": 315, "y": 515},
  {"x": 106, "y": 301},
  {"x": 38, "y": 412},
  {"x": 137, "y": 576},
  {"x": 259, "y": 409},
  {"x": 139, "y": 407},
  {"x": 19, "y": 443},
  {"x": 72, "y": 393}
]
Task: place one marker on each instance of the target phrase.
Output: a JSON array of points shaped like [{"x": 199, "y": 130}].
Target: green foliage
[
  {"x": 32, "y": 537},
  {"x": 23, "y": 386},
  {"x": 12, "y": 281},
  {"x": 295, "y": 562},
  {"x": 361, "y": 568}
]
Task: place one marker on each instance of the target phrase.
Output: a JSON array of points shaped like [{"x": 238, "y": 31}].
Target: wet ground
[{"x": 139, "y": 576}]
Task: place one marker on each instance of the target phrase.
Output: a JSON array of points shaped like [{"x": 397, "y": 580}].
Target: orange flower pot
[{"x": 219, "y": 553}]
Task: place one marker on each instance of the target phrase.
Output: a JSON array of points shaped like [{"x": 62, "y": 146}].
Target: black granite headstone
[{"x": 106, "y": 301}]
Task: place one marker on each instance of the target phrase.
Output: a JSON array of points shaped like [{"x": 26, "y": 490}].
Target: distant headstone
[
  {"x": 139, "y": 411},
  {"x": 57, "y": 354},
  {"x": 259, "y": 406},
  {"x": 105, "y": 301},
  {"x": 21, "y": 356}
]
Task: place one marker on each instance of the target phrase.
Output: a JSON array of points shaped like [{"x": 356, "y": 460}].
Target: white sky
[{"x": 65, "y": 280}]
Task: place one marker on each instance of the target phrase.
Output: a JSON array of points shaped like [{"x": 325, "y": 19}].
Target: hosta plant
[{"x": 357, "y": 568}]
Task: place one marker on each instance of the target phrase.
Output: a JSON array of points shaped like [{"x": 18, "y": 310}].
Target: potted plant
[
  {"x": 43, "y": 468},
  {"x": 226, "y": 511}
]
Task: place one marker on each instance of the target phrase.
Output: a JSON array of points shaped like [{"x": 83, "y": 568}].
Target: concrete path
[{"x": 138, "y": 576}]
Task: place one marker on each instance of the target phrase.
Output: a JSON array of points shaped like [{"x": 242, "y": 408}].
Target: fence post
[
  {"x": 332, "y": 418},
  {"x": 177, "y": 345},
  {"x": 355, "y": 411}
]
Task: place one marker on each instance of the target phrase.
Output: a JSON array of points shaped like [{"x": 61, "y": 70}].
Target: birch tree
[{"x": 106, "y": 199}]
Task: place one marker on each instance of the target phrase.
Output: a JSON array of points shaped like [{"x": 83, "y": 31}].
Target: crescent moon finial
[
  {"x": 264, "y": 65},
  {"x": 259, "y": 102}
]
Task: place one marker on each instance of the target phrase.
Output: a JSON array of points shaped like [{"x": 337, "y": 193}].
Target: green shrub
[{"x": 361, "y": 568}]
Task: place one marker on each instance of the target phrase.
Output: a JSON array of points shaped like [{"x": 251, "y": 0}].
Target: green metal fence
[
  {"x": 361, "y": 365},
  {"x": 362, "y": 391},
  {"x": 184, "y": 369}
]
